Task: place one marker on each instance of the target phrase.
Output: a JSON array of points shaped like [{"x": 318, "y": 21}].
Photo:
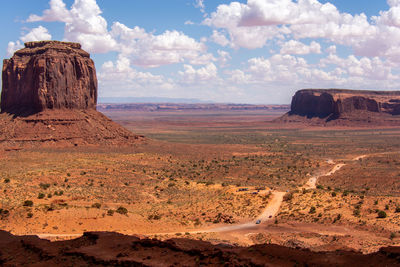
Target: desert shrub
[
  {"x": 386, "y": 207},
  {"x": 41, "y": 195},
  {"x": 338, "y": 217},
  {"x": 288, "y": 196},
  {"x": 110, "y": 212},
  {"x": 49, "y": 195},
  {"x": 333, "y": 194},
  {"x": 392, "y": 235},
  {"x": 6, "y": 180},
  {"x": 171, "y": 184},
  {"x": 44, "y": 186},
  {"x": 4, "y": 213},
  {"x": 82, "y": 173},
  {"x": 356, "y": 212},
  {"x": 382, "y": 214},
  {"x": 320, "y": 187},
  {"x": 59, "y": 193},
  {"x": 96, "y": 205},
  {"x": 397, "y": 209},
  {"x": 122, "y": 210},
  {"x": 312, "y": 210},
  {"x": 28, "y": 203},
  {"x": 29, "y": 215}
]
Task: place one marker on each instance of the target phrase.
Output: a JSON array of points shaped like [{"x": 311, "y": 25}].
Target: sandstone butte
[
  {"x": 344, "y": 107},
  {"x": 49, "y": 95}
]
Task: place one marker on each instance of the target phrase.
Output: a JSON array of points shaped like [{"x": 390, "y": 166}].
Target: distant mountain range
[{"x": 112, "y": 100}]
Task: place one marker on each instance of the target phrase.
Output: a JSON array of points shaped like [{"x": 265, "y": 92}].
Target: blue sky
[{"x": 253, "y": 51}]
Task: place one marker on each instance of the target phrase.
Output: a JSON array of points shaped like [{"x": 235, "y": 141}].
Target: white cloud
[
  {"x": 149, "y": 50},
  {"x": 331, "y": 49},
  {"x": 200, "y": 4},
  {"x": 13, "y": 46},
  {"x": 297, "y": 48},
  {"x": 121, "y": 79},
  {"x": 189, "y": 22},
  {"x": 83, "y": 24},
  {"x": 201, "y": 75},
  {"x": 223, "y": 58},
  {"x": 36, "y": 34},
  {"x": 219, "y": 38}
]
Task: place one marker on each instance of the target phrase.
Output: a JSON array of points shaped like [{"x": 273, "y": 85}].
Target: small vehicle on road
[{"x": 258, "y": 221}]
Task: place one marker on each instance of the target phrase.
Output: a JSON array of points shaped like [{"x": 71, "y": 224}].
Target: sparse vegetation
[{"x": 28, "y": 203}]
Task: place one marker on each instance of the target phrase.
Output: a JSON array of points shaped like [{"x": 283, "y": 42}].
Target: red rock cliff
[
  {"x": 48, "y": 75},
  {"x": 333, "y": 103}
]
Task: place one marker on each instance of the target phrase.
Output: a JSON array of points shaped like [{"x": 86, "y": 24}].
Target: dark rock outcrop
[
  {"x": 113, "y": 249},
  {"x": 333, "y": 104},
  {"x": 49, "y": 96},
  {"x": 48, "y": 75}
]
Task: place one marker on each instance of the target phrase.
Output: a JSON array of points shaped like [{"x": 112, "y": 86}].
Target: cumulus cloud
[
  {"x": 200, "y": 75},
  {"x": 219, "y": 38},
  {"x": 121, "y": 78},
  {"x": 83, "y": 24},
  {"x": 297, "y": 48},
  {"x": 13, "y": 46},
  {"x": 149, "y": 50},
  {"x": 36, "y": 34}
]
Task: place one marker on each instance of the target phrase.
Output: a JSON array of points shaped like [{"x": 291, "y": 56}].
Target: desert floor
[{"x": 212, "y": 175}]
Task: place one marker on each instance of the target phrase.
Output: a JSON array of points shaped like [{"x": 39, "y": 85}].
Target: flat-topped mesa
[
  {"x": 48, "y": 75},
  {"x": 332, "y": 103}
]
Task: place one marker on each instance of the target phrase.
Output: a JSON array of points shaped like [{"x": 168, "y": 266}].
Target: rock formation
[
  {"x": 113, "y": 249},
  {"x": 48, "y": 75},
  {"x": 49, "y": 95},
  {"x": 345, "y": 105}
]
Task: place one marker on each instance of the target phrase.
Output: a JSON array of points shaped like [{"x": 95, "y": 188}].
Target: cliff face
[
  {"x": 49, "y": 96},
  {"x": 334, "y": 103},
  {"x": 48, "y": 75}
]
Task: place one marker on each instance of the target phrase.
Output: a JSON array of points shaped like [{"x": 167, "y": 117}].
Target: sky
[{"x": 249, "y": 51}]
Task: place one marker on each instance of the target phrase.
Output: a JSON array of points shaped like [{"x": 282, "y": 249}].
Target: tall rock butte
[
  {"x": 338, "y": 106},
  {"x": 49, "y": 95},
  {"x": 48, "y": 75}
]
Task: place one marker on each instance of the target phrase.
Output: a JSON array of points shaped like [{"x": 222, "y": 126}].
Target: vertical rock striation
[
  {"x": 48, "y": 75},
  {"x": 334, "y": 103},
  {"x": 49, "y": 96}
]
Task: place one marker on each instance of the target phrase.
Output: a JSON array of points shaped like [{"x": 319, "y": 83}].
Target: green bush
[
  {"x": 312, "y": 210},
  {"x": 110, "y": 212},
  {"x": 41, "y": 195},
  {"x": 122, "y": 210},
  {"x": 28, "y": 203},
  {"x": 96, "y": 205},
  {"x": 6, "y": 180},
  {"x": 44, "y": 186},
  {"x": 382, "y": 214}
]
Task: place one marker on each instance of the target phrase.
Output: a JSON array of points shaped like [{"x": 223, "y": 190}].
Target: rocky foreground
[
  {"x": 344, "y": 107},
  {"x": 112, "y": 249}
]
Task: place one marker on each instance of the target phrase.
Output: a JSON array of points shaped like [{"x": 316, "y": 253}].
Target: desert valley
[{"x": 160, "y": 184}]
